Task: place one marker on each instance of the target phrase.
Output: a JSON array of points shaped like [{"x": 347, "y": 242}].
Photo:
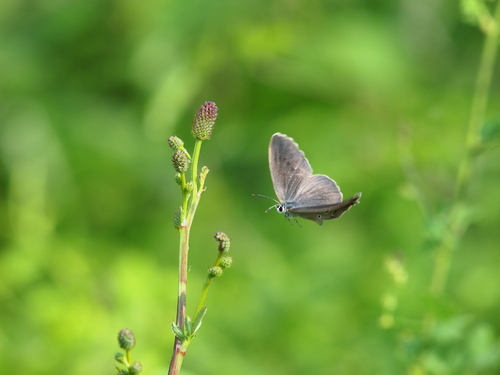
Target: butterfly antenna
[
  {"x": 273, "y": 206},
  {"x": 265, "y": 196}
]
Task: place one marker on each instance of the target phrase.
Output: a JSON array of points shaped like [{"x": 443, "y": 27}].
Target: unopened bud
[
  {"x": 177, "y": 219},
  {"x": 175, "y": 143},
  {"x": 204, "y": 121},
  {"x": 126, "y": 339},
  {"x": 215, "y": 272},
  {"x": 226, "y": 262},
  {"x": 120, "y": 358},
  {"x": 180, "y": 161},
  {"x": 224, "y": 241},
  {"x": 178, "y": 179},
  {"x": 135, "y": 369}
]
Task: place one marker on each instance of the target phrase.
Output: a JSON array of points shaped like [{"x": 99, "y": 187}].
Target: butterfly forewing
[{"x": 289, "y": 167}]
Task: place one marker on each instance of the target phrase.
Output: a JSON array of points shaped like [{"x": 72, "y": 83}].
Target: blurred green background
[{"x": 91, "y": 90}]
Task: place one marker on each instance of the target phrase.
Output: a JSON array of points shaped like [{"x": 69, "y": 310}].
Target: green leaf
[
  {"x": 188, "y": 328},
  {"x": 178, "y": 332},
  {"x": 198, "y": 319}
]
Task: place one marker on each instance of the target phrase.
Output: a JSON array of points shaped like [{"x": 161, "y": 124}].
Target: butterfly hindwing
[{"x": 326, "y": 212}]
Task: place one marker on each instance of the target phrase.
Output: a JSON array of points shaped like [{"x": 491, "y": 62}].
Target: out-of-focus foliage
[{"x": 91, "y": 90}]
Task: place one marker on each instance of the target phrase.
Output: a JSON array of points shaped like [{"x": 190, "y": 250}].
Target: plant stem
[
  {"x": 479, "y": 102},
  {"x": 472, "y": 142},
  {"x": 190, "y": 200},
  {"x": 196, "y": 193},
  {"x": 194, "y": 166},
  {"x": 180, "y": 348},
  {"x": 127, "y": 357},
  {"x": 180, "y": 345},
  {"x": 443, "y": 253},
  {"x": 206, "y": 287}
]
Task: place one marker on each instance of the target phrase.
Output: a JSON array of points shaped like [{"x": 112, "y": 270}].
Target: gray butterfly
[{"x": 301, "y": 193}]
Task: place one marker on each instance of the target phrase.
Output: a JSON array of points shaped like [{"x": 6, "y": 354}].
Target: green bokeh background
[{"x": 91, "y": 90}]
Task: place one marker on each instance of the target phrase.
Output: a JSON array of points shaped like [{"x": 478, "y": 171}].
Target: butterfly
[{"x": 301, "y": 193}]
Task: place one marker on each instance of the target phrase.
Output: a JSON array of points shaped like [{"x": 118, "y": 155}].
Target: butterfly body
[{"x": 301, "y": 193}]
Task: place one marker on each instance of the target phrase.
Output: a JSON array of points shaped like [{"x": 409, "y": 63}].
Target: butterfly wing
[
  {"x": 326, "y": 212},
  {"x": 316, "y": 190},
  {"x": 289, "y": 167}
]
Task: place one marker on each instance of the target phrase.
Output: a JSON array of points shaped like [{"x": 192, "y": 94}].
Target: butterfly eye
[
  {"x": 319, "y": 216},
  {"x": 280, "y": 209}
]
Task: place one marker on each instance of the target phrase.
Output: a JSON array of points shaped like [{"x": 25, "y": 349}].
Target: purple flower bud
[{"x": 204, "y": 121}]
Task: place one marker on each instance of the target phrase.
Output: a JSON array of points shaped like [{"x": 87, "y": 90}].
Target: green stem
[
  {"x": 185, "y": 197},
  {"x": 203, "y": 296},
  {"x": 194, "y": 165},
  {"x": 479, "y": 102},
  {"x": 206, "y": 287},
  {"x": 444, "y": 251},
  {"x": 128, "y": 357},
  {"x": 196, "y": 193},
  {"x": 472, "y": 143},
  {"x": 190, "y": 200}
]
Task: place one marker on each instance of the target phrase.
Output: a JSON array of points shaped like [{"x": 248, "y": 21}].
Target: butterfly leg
[{"x": 288, "y": 215}]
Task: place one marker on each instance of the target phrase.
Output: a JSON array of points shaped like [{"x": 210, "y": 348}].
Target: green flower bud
[
  {"x": 203, "y": 174},
  {"x": 175, "y": 143},
  {"x": 135, "y": 368},
  {"x": 226, "y": 262},
  {"x": 120, "y": 358},
  {"x": 178, "y": 179},
  {"x": 204, "y": 121},
  {"x": 224, "y": 242},
  {"x": 180, "y": 161},
  {"x": 189, "y": 186},
  {"x": 126, "y": 339},
  {"x": 177, "y": 219},
  {"x": 215, "y": 272}
]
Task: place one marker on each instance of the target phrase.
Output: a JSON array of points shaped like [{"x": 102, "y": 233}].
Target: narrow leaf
[
  {"x": 198, "y": 319},
  {"x": 178, "y": 332}
]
